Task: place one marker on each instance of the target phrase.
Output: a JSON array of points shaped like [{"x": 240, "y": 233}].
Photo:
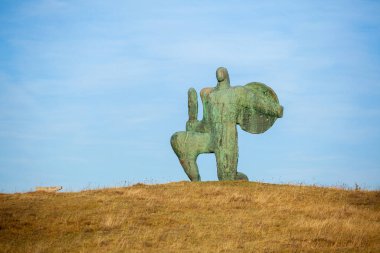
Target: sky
[{"x": 91, "y": 91}]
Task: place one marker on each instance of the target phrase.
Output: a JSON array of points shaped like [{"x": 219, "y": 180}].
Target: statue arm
[
  {"x": 260, "y": 102},
  {"x": 268, "y": 108},
  {"x": 193, "y": 123}
]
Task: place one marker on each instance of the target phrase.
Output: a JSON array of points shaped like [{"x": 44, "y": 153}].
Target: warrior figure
[{"x": 255, "y": 107}]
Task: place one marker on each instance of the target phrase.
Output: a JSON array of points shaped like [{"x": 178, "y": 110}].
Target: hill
[{"x": 192, "y": 217}]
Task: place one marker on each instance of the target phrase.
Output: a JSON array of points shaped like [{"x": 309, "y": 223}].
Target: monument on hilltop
[{"x": 255, "y": 107}]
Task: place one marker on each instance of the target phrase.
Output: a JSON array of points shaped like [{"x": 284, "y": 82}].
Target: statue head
[{"x": 222, "y": 77}]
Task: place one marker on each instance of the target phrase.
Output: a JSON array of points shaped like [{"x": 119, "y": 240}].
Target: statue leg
[
  {"x": 226, "y": 151},
  {"x": 242, "y": 176},
  {"x": 187, "y": 146}
]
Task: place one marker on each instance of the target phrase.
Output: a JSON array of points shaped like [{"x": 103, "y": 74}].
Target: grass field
[{"x": 193, "y": 217}]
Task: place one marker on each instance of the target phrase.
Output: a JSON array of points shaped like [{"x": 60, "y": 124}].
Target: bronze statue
[{"x": 255, "y": 107}]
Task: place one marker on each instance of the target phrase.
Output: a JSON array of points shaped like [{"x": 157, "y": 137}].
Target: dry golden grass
[{"x": 193, "y": 217}]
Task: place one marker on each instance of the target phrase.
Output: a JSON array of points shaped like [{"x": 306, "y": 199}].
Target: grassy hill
[{"x": 192, "y": 217}]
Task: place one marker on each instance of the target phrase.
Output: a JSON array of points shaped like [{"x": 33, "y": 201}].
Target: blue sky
[{"x": 91, "y": 91}]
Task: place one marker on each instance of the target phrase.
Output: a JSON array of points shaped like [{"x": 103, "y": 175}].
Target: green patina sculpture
[{"x": 255, "y": 107}]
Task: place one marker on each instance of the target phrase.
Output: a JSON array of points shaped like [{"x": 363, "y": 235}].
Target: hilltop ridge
[{"x": 192, "y": 217}]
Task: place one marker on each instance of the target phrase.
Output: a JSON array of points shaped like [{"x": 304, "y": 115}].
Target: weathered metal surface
[{"x": 255, "y": 107}]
